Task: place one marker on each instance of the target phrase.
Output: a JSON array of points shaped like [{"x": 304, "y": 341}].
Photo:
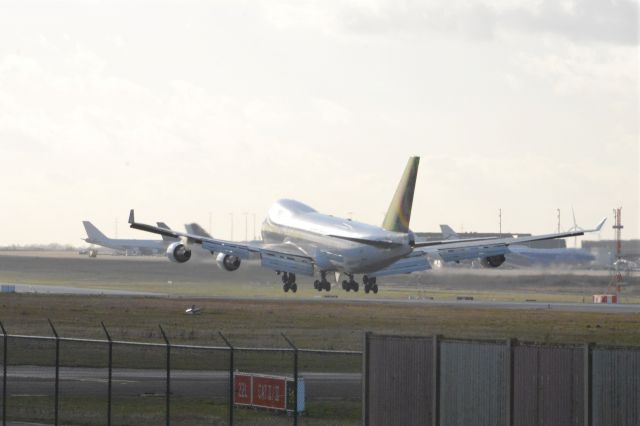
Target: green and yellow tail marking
[{"x": 399, "y": 213}]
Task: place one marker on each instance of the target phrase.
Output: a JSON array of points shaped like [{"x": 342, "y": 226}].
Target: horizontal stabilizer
[
  {"x": 413, "y": 263},
  {"x": 287, "y": 263}
]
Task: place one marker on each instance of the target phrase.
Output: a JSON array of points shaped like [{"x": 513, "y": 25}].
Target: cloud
[
  {"x": 580, "y": 70},
  {"x": 581, "y": 21}
]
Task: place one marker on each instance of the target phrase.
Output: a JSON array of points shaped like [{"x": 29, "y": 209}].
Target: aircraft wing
[
  {"x": 279, "y": 257},
  {"x": 459, "y": 240},
  {"x": 455, "y": 250}
]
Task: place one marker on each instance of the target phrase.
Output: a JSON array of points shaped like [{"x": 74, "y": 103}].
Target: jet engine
[
  {"x": 493, "y": 261},
  {"x": 178, "y": 252},
  {"x": 228, "y": 262}
]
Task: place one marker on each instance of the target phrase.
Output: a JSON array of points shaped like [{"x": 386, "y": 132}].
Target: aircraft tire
[
  {"x": 316, "y": 285},
  {"x": 366, "y": 288},
  {"x": 294, "y": 287},
  {"x": 285, "y": 287},
  {"x": 355, "y": 286},
  {"x": 344, "y": 285},
  {"x": 327, "y": 286},
  {"x": 375, "y": 288}
]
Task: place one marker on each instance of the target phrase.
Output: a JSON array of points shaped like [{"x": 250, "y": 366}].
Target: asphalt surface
[
  {"x": 92, "y": 382},
  {"x": 54, "y": 289}
]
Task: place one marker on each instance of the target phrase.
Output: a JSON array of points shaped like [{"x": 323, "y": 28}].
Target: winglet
[
  {"x": 131, "y": 217},
  {"x": 599, "y": 226}
]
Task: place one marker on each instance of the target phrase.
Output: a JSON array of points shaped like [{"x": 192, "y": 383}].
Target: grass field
[
  {"x": 309, "y": 324},
  {"x": 313, "y": 324}
]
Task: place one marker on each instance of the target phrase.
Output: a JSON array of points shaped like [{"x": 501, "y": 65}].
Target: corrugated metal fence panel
[
  {"x": 615, "y": 387},
  {"x": 548, "y": 386},
  {"x": 400, "y": 380},
  {"x": 473, "y": 384}
]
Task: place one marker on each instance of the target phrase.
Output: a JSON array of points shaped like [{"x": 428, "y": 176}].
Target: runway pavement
[
  {"x": 54, "y": 289},
  {"x": 31, "y": 380}
]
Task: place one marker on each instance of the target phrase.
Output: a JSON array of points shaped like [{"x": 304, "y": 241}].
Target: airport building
[{"x": 604, "y": 250}]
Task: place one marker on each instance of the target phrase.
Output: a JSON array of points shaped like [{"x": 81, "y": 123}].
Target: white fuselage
[
  {"x": 327, "y": 239},
  {"x": 130, "y": 246}
]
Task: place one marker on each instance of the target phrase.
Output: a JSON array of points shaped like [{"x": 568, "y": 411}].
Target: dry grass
[{"x": 320, "y": 324}]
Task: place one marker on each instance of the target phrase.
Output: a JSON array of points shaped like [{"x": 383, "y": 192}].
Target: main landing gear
[
  {"x": 351, "y": 284},
  {"x": 322, "y": 284},
  {"x": 289, "y": 282},
  {"x": 370, "y": 284}
]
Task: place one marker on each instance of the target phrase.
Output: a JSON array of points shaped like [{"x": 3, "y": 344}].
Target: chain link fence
[{"x": 62, "y": 380}]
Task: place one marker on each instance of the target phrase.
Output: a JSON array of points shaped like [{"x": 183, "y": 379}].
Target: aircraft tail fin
[
  {"x": 195, "y": 229},
  {"x": 166, "y": 238},
  {"x": 448, "y": 233},
  {"x": 399, "y": 213},
  {"x": 93, "y": 233}
]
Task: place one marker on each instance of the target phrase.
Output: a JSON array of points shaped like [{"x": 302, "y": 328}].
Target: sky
[{"x": 209, "y": 111}]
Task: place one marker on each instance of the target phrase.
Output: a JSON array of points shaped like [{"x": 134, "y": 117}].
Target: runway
[
  {"x": 31, "y": 380},
  {"x": 55, "y": 289}
]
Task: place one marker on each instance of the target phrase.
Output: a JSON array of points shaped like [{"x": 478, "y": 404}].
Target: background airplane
[
  {"x": 131, "y": 247},
  {"x": 300, "y": 240},
  {"x": 522, "y": 255}
]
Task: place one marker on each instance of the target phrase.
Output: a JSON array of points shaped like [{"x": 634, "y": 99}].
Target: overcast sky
[{"x": 196, "y": 109}]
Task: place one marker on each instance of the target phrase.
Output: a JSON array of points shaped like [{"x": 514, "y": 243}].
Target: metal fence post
[
  {"x": 510, "y": 379},
  {"x": 365, "y": 379},
  {"x": 295, "y": 379},
  {"x": 4, "y": 374},
  {"x": 110, "y": 367},
  {"x": 231, "y": 368},
  {"x": 587, "y": 383},
  {"x": 436, "y": 380},
  {"x": 57, "y": 383},
  {"x": 168, "y": 391}
]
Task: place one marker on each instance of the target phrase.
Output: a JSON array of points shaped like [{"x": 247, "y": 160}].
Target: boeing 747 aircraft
[
  {"x": 298, "y": 240},
  {"x": 132, "y": 247}
]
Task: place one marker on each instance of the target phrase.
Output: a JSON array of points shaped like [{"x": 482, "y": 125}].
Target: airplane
[
  {"x": 129, "y": 246},
  {"x": 522, "y": 255},
  {"x": 298, "y": 240},
  {"x": 193, "y": 310}
]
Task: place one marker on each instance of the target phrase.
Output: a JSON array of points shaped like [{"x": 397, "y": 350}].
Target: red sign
[
  {"x": 269, "y": 392},
  {"x": 242, "y": 389}
]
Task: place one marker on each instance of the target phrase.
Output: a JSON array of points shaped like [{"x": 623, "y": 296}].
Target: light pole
[
  {"x": 254, "y": 226},
  {"x": 246, "y": 227}
]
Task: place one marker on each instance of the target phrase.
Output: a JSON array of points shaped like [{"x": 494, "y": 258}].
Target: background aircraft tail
[
  {"x": 166, "y": 238},
  {"x": 93, "y": 233},
  {"x": 448, "y": 233},
  {"x": 399, "y": 213},
  {"x": 195, "y": 229}
]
